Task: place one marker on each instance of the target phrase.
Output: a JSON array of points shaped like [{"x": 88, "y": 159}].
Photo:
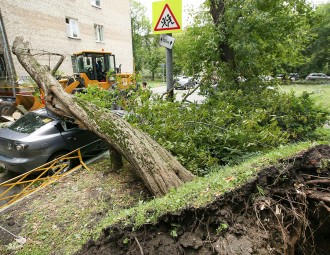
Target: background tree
[
  {"x": 146, "y": 49},
  {"x": 254, "y": 37},
  {"x": 141, "y": 28},
  {"x": 194, "y": 48},
  {"x": 155, "y": 55},
  {"x": 319, "y": 50}
]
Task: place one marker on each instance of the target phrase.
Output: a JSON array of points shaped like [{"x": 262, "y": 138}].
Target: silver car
[
  {"x": 184, "y": 82},
  {"x": 317, "y": 77},
  {"x": 39, "y": 137}
]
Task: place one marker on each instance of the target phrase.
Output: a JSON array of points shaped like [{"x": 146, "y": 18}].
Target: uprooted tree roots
[{"x": 285, "y": 210}]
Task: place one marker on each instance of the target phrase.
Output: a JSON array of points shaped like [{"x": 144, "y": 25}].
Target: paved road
[{"x": 180, "y": 93}]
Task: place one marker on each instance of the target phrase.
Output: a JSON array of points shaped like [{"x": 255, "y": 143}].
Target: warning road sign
[
  {"x": 167, "y": 16},
  {"x": 167, "y": 20}
]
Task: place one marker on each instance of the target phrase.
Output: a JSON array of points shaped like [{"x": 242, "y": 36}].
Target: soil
[{"x": 285, "y": 210}]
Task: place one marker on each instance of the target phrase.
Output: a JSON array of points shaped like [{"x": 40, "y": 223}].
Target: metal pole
[
  {"x": 169, "y": 72},
  {"x": 9, "y": 61}
]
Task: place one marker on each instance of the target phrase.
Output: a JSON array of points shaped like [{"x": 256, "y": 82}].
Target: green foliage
[
  {"x": 194, "y": 49},
  {"x": 100, "y": 97},
  {"x": 126, "y": 241},
  {"x": 222, "y": 227},
  {"x": 246, "y": 39},
  {"x": 229, "y": 127},
  {"x": 265, "y": 36},
  {"x": 141, "y": 28},
  {"x": 318, "y": 50},
  {"x": 174, "y": 230},
  {"x": 154, "y": 55},
  {"x": 146, "y": 49}
]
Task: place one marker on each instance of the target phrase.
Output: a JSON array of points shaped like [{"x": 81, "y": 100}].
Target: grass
[
  {"x": 321, "y": 93},
  {"x": 62, "y": 217},
  {"x": 156, "y": 83}
]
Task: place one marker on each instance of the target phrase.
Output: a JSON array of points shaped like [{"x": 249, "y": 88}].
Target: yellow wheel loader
[
  {"x": 89, "y": 67},
  {"x": 96, "y": 68}
]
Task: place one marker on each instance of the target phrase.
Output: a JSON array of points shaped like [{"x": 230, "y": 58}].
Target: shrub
[{"x": 229, "y": 126}]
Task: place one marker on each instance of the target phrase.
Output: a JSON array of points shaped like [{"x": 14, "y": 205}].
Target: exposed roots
[{"x": 285, "y": 210}]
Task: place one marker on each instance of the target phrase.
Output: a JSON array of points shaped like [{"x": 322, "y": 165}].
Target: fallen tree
[{"x": 159, "y": 170}]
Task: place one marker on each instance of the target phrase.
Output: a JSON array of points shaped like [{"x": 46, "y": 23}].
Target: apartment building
[{"x": 64, "y": 27}]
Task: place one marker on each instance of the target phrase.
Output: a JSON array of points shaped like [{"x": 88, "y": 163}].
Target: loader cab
[{"x": 95, "y": 67}]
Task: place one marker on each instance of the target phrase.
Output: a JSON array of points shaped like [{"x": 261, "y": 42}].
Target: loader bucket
[
  {"x": 29, "y": 101},
  {"x": 38, "y": 103}
]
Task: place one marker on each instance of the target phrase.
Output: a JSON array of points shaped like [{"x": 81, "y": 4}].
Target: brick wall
[{"x": 42, "y": 23}]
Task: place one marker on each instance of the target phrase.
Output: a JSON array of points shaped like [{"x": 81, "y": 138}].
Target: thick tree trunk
[{"x": 156, "y": 166}]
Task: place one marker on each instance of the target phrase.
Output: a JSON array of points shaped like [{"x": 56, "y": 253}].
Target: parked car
[
  {"x": 281, "y": 76},
  {"x": 294, "y": 76},
  {"x": 317, "y": 77},
  {"x": 39, "y": 137},
  {"x": 184, "y": 82},
  {"x": 266, "y": 78}
]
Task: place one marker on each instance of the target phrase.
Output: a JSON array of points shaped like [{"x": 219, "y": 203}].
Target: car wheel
[{"x": 66, "y": 164}]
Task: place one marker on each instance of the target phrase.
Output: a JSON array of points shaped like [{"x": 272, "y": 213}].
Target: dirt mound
[{"x": 285, "y": 210}]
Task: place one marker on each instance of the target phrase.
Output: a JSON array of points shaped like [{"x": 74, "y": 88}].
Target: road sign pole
[
  {"x": 167, "y": 18},
  {"x": 169, "y": 72}
]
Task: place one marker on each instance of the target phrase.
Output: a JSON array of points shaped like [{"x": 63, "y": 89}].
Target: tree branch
[
  {"x": 320, "y": 196},
  {"x": 58, "y": 65},
  {"x": 318, "y": 181},
  {"x": 190, "y": 92}
]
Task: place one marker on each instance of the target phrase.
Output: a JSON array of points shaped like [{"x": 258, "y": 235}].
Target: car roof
[{"x": 46, "y": 112}]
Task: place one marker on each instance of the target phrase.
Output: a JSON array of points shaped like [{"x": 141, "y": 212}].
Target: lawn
[
  {"x": 156, "y": 83},
  {"x": 321, "y": 93}
]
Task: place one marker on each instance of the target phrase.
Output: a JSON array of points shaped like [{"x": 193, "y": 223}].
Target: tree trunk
[
  {"x": 116, "y": 159},
  {"x": 217, "y": 11},
  {"x": 155, "y": 165}
]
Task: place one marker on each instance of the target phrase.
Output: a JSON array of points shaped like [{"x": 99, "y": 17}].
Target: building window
[
  {"x": 98, "y": 33},
  {"x": 96, "y": 3},
  {"x": 72, "y": 27}
]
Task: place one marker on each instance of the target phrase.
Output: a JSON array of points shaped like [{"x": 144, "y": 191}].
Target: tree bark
[
  {"x": 116, "y": 159},
  {"x": 159, "y": 170}
]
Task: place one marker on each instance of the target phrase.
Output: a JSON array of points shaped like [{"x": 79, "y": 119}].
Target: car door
[{"x": 76, "y": 137}]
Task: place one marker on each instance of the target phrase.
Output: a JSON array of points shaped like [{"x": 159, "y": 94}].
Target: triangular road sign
[{"x": 167, "y": 20}]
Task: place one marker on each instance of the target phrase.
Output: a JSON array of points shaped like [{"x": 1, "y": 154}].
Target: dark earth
[{"x": 285, "y": 210}]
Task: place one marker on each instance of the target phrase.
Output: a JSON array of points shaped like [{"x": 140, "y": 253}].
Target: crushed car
[{"x": 39, "y": 137}]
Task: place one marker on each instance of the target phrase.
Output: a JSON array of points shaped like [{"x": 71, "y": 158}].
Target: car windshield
[{"x": 29, "y": 123}]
